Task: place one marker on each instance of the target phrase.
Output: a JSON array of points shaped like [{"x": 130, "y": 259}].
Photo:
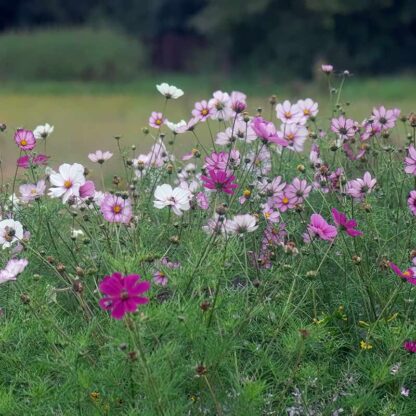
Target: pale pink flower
[
  {"x": 99, "y": 156},
  {"x": 25, "y": 139},
  {"x": 345, "y": 128},
  {"x": 327, "y": 69},
  {"x": 30, "y": 192},
  {"x": 290, "y": 113},
  {"x": 359, "y": 188},
  {"x": 238, "y": 102},
  {"x": 156, "y": 120},
  {"x": 298, "y": 190},
  {"x": 294, "y": 135},
  {"x": 13, "y": 268},
  {"x": 116, "y": 209},
  {"x": 308, "y": 107},
  {"x": 410, "y": 161},
  {"x": 202, "y": 111},
  {"x": 384, "y": 119},
  {"x": 221, "y": 105}
]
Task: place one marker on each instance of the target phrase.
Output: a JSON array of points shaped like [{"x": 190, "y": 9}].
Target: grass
[{"x": 312, "y": 334}]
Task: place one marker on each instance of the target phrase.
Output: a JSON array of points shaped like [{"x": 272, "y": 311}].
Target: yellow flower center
[
  {"x": 204, "y": 112},
  {"x": 290, "y": 136},
  {"x": 406, "y": 273},
  {"x": 117, "y": 209},
  {"x": 288, "y": 114},
  {"x": 267, "y": 215},
  {"x": 23, "y": 142},
  {"x": 306, "y": 112},
  {"x": 67, "y": 184},
  {"x": 158, "y": 121},
  {"x": 247, "y": 193},
  {"x": 285, "y": 200}
]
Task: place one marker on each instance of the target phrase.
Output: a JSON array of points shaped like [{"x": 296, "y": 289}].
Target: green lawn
[{"x": 87, "y": 116}]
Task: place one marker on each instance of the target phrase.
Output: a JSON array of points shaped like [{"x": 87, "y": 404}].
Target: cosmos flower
[
  {"x": 327, "y": 68},
  {"x": 156, "y": 120},
  {"x": 99, "y": 156},
  {"x": 169, "y": 91},
  {"x": 220, "y": 181},
  {"x": 349, "y": 226},
  {"x": 289, "y": 113},
  {"x": 25, "y": 139},
  {"x": 11, "y": 231},
  {"x": 411, "y": 202},
  {"x": 344, "y": 128},
  {"x": 67, "y": 182},
  {"x": 359, "y": 188},
  {"x": 30, "y": 192},
  {"x": 410, "y": 161},
  {"x": 298, "y": 190},
  {"x": 202, "y": 111},
  {"x": 176, "y": 199},
  {"x": 241, "y": 224},
  {"x": 116, "y": 209},
  {"x": 13, "y": 268},
  {"x": 318, "y": 227},
  {"x": 122, "y": 294},
  {"x": 410, "y": 346},
  {"x": 42, "y": 132}
]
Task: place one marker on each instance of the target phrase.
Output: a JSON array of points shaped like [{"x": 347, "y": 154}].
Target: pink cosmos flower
[
  {"x": 99, "y": 156},
  {"x": 370, "y": 130},
  {"x": 216, "y": 225},
  {"x": 67, "y": 182},
  {"x": 327, "y": 69},
  {"x": 13, "y": 268},
  {"x": 270, "y": 214},
  {"x": 408, "y": 274},
  {"x": 160, "y": 278},
  {"x": 345, "y": 128},
  {"x": 318, "y": 227},
  {"x": 349, "y": 226},
  {"x": 283, "y": 202},
  {"x": 314, "y": 155},
  {"x": 298, "y": 190},
  {"x": 202, "y": 200},
  {"x": 156, "y": 120},
  {"x": 122, "y": 294},
  {"x": 30, "y": 192},
  {"x": 216, "y": 160},
  {"x": 202, "y": 111},
  {"x": 238, "y": 102},
  {"x": 266, "y": 131},
  {"x": 273, "y": 188},
  {"x": 289, "y": 113},
  {"x": 384, "y": 119},
  {"x": 25, "y": 139},
  {"x": 87, "y": 190},
  {"x": 116, "y": 209},
  {"x": 410, "y": 161},
  {"x": 308, "y": 107},
  {"x": 219, "y": 181},
  {"x": 358, "y": 188},
  {"x": 294, "y": 135},
  {"x": 410, "y": 346},
  {"x": 411, "y": 202}
]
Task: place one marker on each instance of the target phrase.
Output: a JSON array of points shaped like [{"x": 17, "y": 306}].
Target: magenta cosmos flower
[
  {"x": 318, "y": 227},
  {"x": 26, "y": 160},
  {"x": 122, "y": 294},
  {"x": 25, "y": 139},
  {"x": 116, "y": 209},
  {"x": 408, "y": 274},
  {"x": 156, "y": 120},
  {"x": 344, "y": 224},
  {"x": 410, "y": 161},
  {"x": 219, "y": 181},
  {"x": 410, "y": 346}
]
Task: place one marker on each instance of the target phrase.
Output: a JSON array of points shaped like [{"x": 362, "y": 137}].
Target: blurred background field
[{"x": 90, "y": 68}]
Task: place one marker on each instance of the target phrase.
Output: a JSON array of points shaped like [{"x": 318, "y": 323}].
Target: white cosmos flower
[
  {"x": 177, "y": 199},
  {"x": 99, "y": 156},
  {"x": 242, "y": 224},
  {"x": 10, "y": 232},
  {"x": 67, "y": 182},
  {"x": 42, "y": 132},
  {"x": 169, "y": 91},
  {"x": 179, "y": 127}
]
